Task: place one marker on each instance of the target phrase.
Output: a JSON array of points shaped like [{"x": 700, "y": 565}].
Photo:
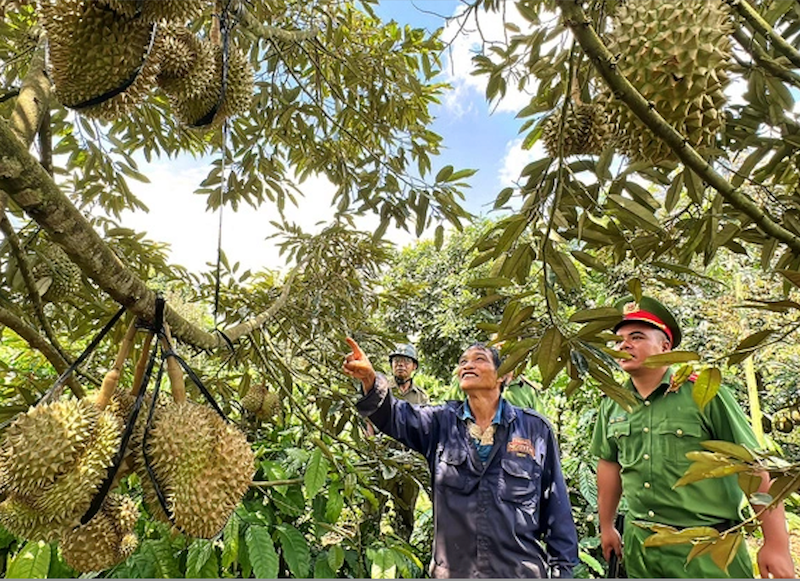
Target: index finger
[{"x": 354, "y": 346}]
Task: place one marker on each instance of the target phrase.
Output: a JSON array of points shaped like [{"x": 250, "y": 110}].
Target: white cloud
[
  {"x": 515, "y": 160},
  {"x": 468, "y": 36},
  {"x": 179, "y": 217}
]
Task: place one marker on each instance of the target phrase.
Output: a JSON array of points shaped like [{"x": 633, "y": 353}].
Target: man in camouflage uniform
[{"x": 643, "y": 454}]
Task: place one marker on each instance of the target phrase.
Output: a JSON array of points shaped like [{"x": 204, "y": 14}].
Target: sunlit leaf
[
  {"x": 670, "y": 358},
  {"x": 706, "y": 386},
  {"x": 729, "y": 448}
]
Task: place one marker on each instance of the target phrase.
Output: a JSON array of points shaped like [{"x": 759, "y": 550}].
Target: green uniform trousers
[{"x": 670, "y": 561}]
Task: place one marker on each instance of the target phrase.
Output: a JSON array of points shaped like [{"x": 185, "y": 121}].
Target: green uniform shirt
[
  {"x": 650, "y": 444},
  {"x": 414, "y": 394}
]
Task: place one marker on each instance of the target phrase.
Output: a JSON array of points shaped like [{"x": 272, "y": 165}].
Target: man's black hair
[{"x": 493, "y": 350}]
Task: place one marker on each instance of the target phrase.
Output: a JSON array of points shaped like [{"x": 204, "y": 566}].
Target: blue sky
[{"x": 473, "y": 138}]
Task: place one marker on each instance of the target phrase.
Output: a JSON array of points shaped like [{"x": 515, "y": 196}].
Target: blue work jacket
[{"x": 508, "y": 517}]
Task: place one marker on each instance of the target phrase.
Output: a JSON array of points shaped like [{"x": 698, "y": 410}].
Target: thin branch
[
  {"x": 36, "y": 341},
  {"x": 604, "y": 61},
  {"x": 761, "y": 26},
  {"x": 8, "y": 95},
  {"x": 761, "y": 57},
  {"x": 30, "y": 283}
]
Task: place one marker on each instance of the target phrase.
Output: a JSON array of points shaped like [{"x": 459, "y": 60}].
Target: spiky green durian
[
  {"x": 95, "y": 52},
  {"x": 195, "y": 107},
  {"x": 155, "y": 10},
  {"x": 55, "y": 275},
  {"x": 677, "y": 55},
  {"x": 254, "y": 397},
  {"x": 189, "y": 66},
  {"x": 203, "y": 465},
  {"x": 270, "y": 406},
  {"x": 585, "y": 131},
  {"x": 55, "y": 458},
  {"x": 104, "y": 541}
]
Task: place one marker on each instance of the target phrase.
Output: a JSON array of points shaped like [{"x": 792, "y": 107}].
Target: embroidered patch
[{"x": 521, "y": 447}]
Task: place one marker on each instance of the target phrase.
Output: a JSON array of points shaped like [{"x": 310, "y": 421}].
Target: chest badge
[{"x": 521, "y": 447}]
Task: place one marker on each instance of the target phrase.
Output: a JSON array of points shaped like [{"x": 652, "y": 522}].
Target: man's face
[
  {"x": 476, "y": 370},
  {"x": 641, "y": 341},
  {"x": 403, "y": 367}
]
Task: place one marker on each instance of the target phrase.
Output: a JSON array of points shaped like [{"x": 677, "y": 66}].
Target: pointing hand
[{"x": 356, "y": 364}]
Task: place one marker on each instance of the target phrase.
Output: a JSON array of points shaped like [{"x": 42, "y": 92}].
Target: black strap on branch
[
  {"x": 110, "y": 94},
  {"x": 148, "y": 462},
  {"x": 105, "y": 487},
  {"x": 225, "y": 29},
  {"x": 83, "y": 356}
]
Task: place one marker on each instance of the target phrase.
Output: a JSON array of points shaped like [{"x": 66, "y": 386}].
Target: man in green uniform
[
  {"x": 403, "y": 488},
  {"x": 643, "y": 454}
]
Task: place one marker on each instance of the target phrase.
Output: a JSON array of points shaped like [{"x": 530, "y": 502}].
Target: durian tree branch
[
  {"x": 36, "y": 341},
  {"x": 763, "y": 60},
  {"x": 8, "y": 95},
  {"x": 33, "y": 189},
  {"x": 762, "y": 27},
  {"x": 604, "y": 62},
  {"x": 22, "y": 262},
  {"x": 34, "y": 99}
]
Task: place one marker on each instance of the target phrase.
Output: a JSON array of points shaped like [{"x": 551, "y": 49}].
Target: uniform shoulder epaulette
[{"x": 692, "y": 377}]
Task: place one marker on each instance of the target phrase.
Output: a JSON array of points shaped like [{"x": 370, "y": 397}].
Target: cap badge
[{"x": 630, "y": 308}]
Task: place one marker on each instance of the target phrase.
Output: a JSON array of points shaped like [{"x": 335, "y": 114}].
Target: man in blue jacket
[{"x": 500, "y": 503}]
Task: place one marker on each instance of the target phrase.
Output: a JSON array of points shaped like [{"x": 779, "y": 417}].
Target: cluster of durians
[
  {"x": 676, "y": 54},
  {"x": 264, "y": 404},
  {"x": 107, "y": 55},
  {"x": 55, "y": 458}
]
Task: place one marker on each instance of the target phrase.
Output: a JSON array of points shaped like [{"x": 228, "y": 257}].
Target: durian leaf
[
  {"x": 724, "y": 550},
  {"x": 230, "y": 542},
  {"x": 211, "y": 569},
  {"x": 164, "y": 559},
  {"x": 335, "y": 557},
  {"x": 316, "y": 474},
  {"x": 262, "y": 552},
  {"x": 706, "y": 387},
  {"x": 31, "y": 562},
  {"x": 295, "y": 550},
  {"x": 670, "y": 358},
  {"x": 200, "y": 552}
]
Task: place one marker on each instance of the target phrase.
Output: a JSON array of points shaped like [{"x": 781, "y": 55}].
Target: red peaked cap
[{"x": 648, "y": 310}]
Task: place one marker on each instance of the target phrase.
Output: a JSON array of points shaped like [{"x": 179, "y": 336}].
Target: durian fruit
[
  {"x": 55, "y": 275},
  {"x": 203, "y": 466},
  {"x": 254, "y": 397},
  {"x": 585, "y": 131},
  {"x": 677, "y": 55},
  {"x": 187, "y": 62},
  {"x": 270, "y": 406},
  {"x": 195, "y": 106},
  {"x": 54, "y": 458},
  {"x": 106, "y": 540},
  {"x": 94, "y": 52},
  {"x": 157, "y": 10}
]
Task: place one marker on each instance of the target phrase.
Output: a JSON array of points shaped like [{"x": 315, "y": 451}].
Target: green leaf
[
  {"x": 724, "y": 551},
  {"x": 438, "y": 238},
  {"x": 670, "y": 358},
  {"x": 335, "y": 557},
  {"x": 682, "y": 537},
  {"x": 706, "y": 387},
  {"x": 261, "y": 551},
  {"x": 549, "y": 350},
  {"x": 31, "y": 562},
  {"x": 492, "y": 282},
  {"x": 503, "y": 197},
  {"x": 230, "y": 542},
  {"x": 295, "y": 550},
  {"x": 744, "y": 348},
  {"x": 635, "y": 288},
  {"x": 322, "y": 569},
  {"x": 316, "y": 473},
  {"x": 199, "y": 553},
  {"x": 383, "y": 564},
  {"x": 638, "y": 213},
  {"x": 791, "y": 275},
  {"x": 749, "y": 483},
  {"x": 600, "y": 314},
  {"x": 589, "y": 261},
  {"x": 728, "y": 448},
  {"x": 444, "y": 174}
]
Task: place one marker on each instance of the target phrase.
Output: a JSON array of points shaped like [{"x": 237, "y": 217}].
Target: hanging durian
[
  {"x": 261, "y": 402},
  {"x": 106, "y": 540},
  {"x": 55, "y": 275},
  {"x": 585, "y": 131},
  {"x": 187, "y": 63},
  {"x": 98, "y": 55},
  {"x": 54, "y": 459},
  {"x": 205, "y": 103},
  {"x": 254, "y": 397},
  {"x": 180, "y": 11},
  {"x": 203, "y": 465},
  {"x": 676, "y": 54}
]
